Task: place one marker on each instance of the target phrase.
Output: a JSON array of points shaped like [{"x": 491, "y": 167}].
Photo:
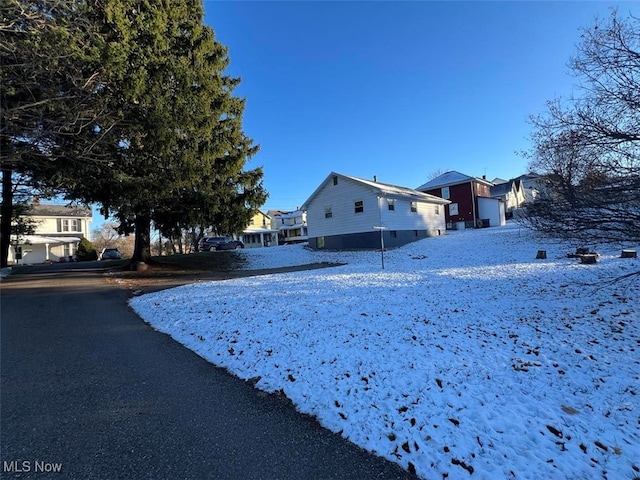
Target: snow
[{"x": 464, "y": 356}]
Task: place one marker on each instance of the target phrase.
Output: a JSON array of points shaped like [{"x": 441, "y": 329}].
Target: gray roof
[
  {"x": 501, "y": 189},
  {"x": 50, "y": 210}
]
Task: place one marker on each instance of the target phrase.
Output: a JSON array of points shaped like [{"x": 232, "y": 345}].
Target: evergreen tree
[
  {"x": 125, "y": 103},
  {"x": 178, "y": 147},
  {"x": 49, "y": 72}
]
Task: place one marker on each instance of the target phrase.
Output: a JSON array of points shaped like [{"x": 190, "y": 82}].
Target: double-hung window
[
  {"x": 391, "y": 204},
  {"x": 68, "y": 225}
]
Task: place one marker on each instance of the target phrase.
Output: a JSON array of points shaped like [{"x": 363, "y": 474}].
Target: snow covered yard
[{"x": 464, "y": 358}]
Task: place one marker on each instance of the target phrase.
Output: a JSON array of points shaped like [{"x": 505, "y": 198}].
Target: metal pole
[
  {"x": 382, "y": 246},
  {"x": 381, "y": 232}
]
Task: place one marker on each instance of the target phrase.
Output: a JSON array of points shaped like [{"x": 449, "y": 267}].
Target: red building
[{"x": 471, "y": 202}]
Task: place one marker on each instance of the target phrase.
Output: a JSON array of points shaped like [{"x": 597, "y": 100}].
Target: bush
[{"x": 86, "y": 252}]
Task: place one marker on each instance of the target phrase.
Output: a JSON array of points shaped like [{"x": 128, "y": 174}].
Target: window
[
  {"x": 335, "y": 180},
  {"x": 437, "y": 209},
  {"x": 414, "y": 207},
  {"x": 453, "y": 209},
  {"x": 445, "y": 192},
  {"x": 359, "y": 206},
  {"x": 327, "y": 212},
  {"x": 320, "y": 242},
  {"x": 391, "y": 204},
  {"x": 252, "y": 222},
  {"x": 393, "y": 234},
  {"x": 68, "y": 225}
]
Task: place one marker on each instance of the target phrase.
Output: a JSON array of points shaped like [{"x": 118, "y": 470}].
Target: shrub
[{"x": 85, "y": 251}]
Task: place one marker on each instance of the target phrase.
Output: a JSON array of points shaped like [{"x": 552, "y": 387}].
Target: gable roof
[
  {"x": 450, "y": 178},
  {"x": 501, "y": 189},
  {"x": 380, "y": 188},
  {"x": 51, "y": 210}
]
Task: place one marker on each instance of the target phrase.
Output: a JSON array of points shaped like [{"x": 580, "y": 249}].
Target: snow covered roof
[
  {"x": 450, "y": 178},
  {"x": 259, "y": 230},
  {"x": 382, "y": 188},
  {"x": 43, "y": 240}
]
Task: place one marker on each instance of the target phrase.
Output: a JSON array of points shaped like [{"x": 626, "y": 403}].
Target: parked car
[
  {"x": 110, "y": 254},
  {"x": 211, "y": 244}
]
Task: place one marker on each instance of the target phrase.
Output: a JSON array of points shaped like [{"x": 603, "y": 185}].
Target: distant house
[
  {"x": 348, "y": 212},
  {"x": 58, "y": 230},
  {"x": 259, "y": 232},
  {"x": 511, "y": 193},
  {"x": 291, "y": 226},
  {"x": 532, "y": 186},
  {"x": 471, "y": 203}
]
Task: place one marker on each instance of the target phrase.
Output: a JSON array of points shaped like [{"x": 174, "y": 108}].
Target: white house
[
  {"x": 58, "y": 230},
  {"x": 348, "y": 212},
  {"x": 532, "y": 185},
  {"x": 291, "y": 226},
  {"x": 510, "y": 192}
]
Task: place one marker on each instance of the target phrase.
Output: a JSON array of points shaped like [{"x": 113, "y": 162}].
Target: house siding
[
  {"x": 466, "y": 201},
  {"x": 259, "y": 233},
  {"x": 346, "y": 229},
  {"x": 370, "y": 240},
  {"x": 341, "y": 199},
  {"x": 460, "y": 195},
  {"x": 491, "y": 212}
]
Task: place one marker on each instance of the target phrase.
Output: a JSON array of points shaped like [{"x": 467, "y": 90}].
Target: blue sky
[{"x": 395, "y": 89}]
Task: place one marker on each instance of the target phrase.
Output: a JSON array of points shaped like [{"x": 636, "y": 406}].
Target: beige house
[
  {"x": 259, "y": 232},
  {"x": 58, "y": 230}
]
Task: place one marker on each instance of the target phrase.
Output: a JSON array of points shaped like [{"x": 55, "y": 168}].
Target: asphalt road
[{"x": 89, "y": 391}]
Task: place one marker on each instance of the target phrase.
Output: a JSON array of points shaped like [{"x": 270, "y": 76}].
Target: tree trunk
[
  {"x": 7, "y": 214},
  {"x": 142, "y": 247}
]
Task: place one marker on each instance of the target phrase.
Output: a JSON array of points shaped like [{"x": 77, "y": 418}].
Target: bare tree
[{"x": 587, "y": 148}]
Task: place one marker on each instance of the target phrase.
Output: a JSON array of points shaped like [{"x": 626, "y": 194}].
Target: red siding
[{"x": 460, "y": 194}]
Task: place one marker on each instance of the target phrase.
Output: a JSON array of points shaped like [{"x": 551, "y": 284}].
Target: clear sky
[{"x": 399, "y": 90}]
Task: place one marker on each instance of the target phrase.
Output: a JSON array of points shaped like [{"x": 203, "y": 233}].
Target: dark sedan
[{"x": 211, "y": 244}]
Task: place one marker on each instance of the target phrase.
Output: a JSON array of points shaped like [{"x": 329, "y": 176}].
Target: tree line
[{"x": 124, "y": 104}]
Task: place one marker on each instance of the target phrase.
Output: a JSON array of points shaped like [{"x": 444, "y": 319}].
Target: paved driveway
[{"x": 89, "y": 389}]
